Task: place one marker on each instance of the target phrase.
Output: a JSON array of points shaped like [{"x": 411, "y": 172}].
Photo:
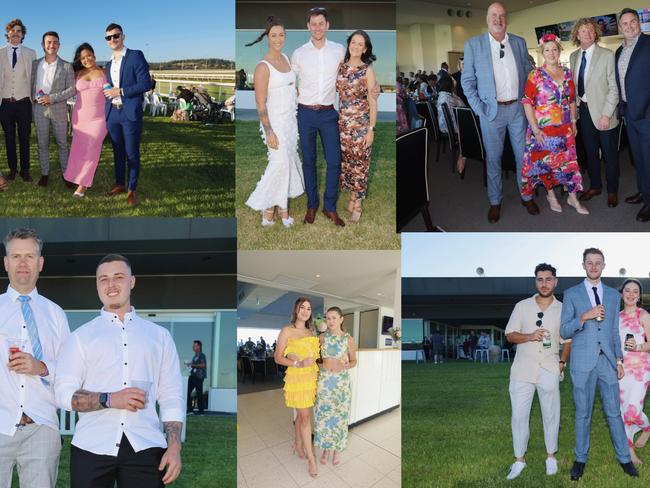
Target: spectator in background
[
  {"x": 198, "y": 373},
  {"x": 426, "y": 347},
  {"x": 484, "y": 341},
  {"x": 459, "y": 87},
  {"x": 436, "y": 347},
  {"x": 446, "y": 95},
  {"x": 444, "y": 71},
  {"x": 473, "y": 343}
]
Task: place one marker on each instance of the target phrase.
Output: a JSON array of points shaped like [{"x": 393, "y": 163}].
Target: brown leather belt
[
  {"x": 118, "y": 106},
  {"x": 509, "y": 102},
  {"x": 316, "y": 107},
  {"x": 25, "y": 420},
  {"x": 12, "y": 99}
]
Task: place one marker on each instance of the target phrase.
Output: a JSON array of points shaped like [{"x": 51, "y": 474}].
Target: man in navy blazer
[
  {"x": 590, "y": 319},
  {"x": 494, "y": 78},
  {"x": 128, "y": 74},
  {"x": 632, "y": 75}
]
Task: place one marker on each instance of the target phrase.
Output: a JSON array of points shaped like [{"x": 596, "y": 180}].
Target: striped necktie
[{"x": 30, "y": 322}]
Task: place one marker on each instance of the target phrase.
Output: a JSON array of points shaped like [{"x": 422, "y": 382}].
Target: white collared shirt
[
  {"x": 590, "y": 291},
  {"x": 316, "y": 70},
  {"x": 116, "y": 65},
  {"x": 10, "y": 53},
  {"x": 45, "y": 75},
  {"x": 588, "y": 54},
  {"x": 105, "y": 356},
  {"x": 506, "y": 77},
  {"x": 20, "y": 393}
]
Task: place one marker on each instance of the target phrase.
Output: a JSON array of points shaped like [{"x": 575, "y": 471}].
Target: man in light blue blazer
[
  {"x": 496, "y": 69},
  {"x": 590, "y": 318}
]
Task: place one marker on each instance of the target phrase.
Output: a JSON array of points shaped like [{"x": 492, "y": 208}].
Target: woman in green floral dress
[{"x": 332, "y": 409}]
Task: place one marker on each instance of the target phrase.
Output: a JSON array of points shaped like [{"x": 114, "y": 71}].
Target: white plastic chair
[
  {"x": 157, "y": 105},
  {"x": 482, "y": 353},
  {"x": 504, "y": 353}
]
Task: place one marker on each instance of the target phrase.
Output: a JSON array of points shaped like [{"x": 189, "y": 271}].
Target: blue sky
[
  {"x": 163, "y": 30},
  {"x": 517, "y": 254}
]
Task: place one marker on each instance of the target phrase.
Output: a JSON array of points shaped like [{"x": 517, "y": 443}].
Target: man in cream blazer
[
  {"x": 15, "y": 99},
  {"x": 593, "y": 69}
]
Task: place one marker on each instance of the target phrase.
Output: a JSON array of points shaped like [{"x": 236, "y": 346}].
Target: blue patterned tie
[
  {"x": 28, "y": 315},
  {"x": 581, "y": 75}
]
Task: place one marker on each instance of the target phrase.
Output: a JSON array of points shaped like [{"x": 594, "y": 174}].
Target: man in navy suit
[
  {"x": 632, "y": 75},
  {"x": 128, "y": 74},
  {"x": 590, "y": 319}
]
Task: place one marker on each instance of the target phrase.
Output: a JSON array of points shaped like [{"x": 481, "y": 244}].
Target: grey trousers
[
  {"x": 60, "y": 126},
  {"x": 34, "y": 450}
]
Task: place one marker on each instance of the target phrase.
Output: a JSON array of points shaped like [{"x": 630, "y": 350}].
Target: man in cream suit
[
  {"x": 597, "y": 97},
  {"x": 52, "y": 85},
  {"x": 15, "y": 104}
]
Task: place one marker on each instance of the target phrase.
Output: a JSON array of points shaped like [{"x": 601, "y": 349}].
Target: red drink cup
[{"x": 15, "y": 345}]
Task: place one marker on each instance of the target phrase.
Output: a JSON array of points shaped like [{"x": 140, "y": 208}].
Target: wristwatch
[
  {"x": 103, "y": 400},
  {"x": 373, "y": 128},
  {"x": 619, "y": 362}
]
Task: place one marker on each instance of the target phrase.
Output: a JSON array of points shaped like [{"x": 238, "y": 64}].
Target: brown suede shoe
[
  {"x": 116, "y": 190},
  {"x": 310, "y": 216},
  {"x": 612, "y": 200},
  {"x": 333, "y": 216},
  {"x": 589, "y": 194},
  {"x": 43, "y": 180},
  {"x": 131, "y": 199},
  {"x": 26, "y": 176},
  {"x": 531, "y": 206},
  {"x": 494, "y": 213},
  {"x": 12, "y": 175}
]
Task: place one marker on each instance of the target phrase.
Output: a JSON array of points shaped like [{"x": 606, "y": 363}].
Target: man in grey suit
[
  {"x": 52, "y": 85},
  {"x": 597, "y": 98},
  {"x": 590, "y": 318},
  {"x": 496, "y": 69}
]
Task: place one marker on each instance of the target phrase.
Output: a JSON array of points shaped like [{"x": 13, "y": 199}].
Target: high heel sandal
[
  {"x": 552, "y": 201},
  {"x": 324, "y": 457},
  {"x": 268, "y": 222},
  {"x": 312, "y": 470},
  {"x": 351, "y": 204},
  {"x": 288, "y": 221},
  {"x": 80, "y": 192},
  {"x": 356, "y": 212},
  {"x": 573, "y": 201}
]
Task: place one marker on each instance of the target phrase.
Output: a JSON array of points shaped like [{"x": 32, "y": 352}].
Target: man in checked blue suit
[
  {"x": 496, "y": 69},
  {"x": 128, "y": 74},
  {"x": 590, "y": 318}
]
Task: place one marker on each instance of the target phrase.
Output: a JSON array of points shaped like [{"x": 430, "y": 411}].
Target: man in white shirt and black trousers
[
  {"x": 113, "y": 370},
  {"x": 29, "y": 426}
]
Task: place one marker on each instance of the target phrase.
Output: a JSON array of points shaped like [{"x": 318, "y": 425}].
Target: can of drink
[
  {"x": 546, "y": 340},
  {"x": 107, "y": 86},
  {"x": 40, "y": 93}
]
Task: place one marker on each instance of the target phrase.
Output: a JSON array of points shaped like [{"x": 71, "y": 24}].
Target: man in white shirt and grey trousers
[
  {"x": 113, "y": 370},
  {"x": 29, "y": 426},
  {"x": 534, "y": 326}
]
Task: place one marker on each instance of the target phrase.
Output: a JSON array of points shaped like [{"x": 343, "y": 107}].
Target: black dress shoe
[
  {"x": 43, "y": 181},
  {"x": 12, "y": 174},
  {"x": 494, "y": 213},
  {"x": 644, "y": 214},
  {"x": 577, "y": 471},
  {"x": 634, "y": 199},
  {"x": 630, "y": 469}
]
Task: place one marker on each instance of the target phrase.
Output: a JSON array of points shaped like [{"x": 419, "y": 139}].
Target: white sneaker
[
  {"x": 551, "y": 466},
  {"x": 516, "y": 469}
]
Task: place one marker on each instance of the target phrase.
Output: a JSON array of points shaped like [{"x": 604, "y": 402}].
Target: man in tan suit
[
  {"x": 597, "y": 97},
  {"x": 16, "y": 104}
]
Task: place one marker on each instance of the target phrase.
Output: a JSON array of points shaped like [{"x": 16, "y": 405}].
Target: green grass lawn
[
  {"x": 208, "y": 454},
  {"x": 456, "y": 432},
  {"x": 375, "y": 230},
  {"x": 187, "y": 170}
]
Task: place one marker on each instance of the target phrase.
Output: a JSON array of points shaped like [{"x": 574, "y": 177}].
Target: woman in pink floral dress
[{"x": 634, "y": 321}]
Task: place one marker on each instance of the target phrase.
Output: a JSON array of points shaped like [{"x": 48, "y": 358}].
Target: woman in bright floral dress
[
  {"x": 635, "y": 321},
  {"x": 550, "y": 153}
]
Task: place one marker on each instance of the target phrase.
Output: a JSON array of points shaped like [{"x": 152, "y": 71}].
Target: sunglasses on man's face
[
  {"x": 540, "y": 316},
  {"x": 502, "y": 51},
  {"x": 114, "y": 37}
]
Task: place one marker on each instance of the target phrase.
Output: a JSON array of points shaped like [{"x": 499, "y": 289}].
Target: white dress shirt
[
  {"x": 10, "y": 53},
  {"x": 316, "y": 70},
  {"x": 588, "y": 54},
  {"x": 116, "y": 65},
  {"x": 21, "y": 393},
  {"x": 506, "y": 77},
  {"x": 105, "y": 356},
  {"x": 45, "y": 75},
  {"x": 590, "y": 291}
]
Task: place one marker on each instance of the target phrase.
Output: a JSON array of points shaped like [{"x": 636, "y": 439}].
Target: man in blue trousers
[
  {"x": 590, "y": 318},
  {"x": 127, "y": 73}
]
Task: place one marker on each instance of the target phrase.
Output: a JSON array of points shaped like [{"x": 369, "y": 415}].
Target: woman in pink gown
[{"x": 88, "y": 120}]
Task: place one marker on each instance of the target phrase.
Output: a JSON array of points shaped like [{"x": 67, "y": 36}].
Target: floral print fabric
[
  {"x": 554, "y": 162},
  {"x": 354, "y": 123},
  {"x": 332, "y": 410},
  {"x": 634, "y": 385}
]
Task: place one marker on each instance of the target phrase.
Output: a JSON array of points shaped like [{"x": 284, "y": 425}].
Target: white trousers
[{"x": 521, "y": 398}]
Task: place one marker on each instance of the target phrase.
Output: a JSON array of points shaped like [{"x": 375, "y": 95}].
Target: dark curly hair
[
  {"x": 76, "y": 62},
  {"x": 366, "y": 57}
]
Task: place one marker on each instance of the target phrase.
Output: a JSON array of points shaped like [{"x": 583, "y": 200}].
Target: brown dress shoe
[
  {"x": 612, "y": 200},
  {"x": 494, "y": 213},
  {"x": 12, "y": 175},
  {"x": 26, "y": 176},
  {"x": 131, "y": 199},
  {"x": 43, "y": 180},
  {"x": 531, "y": 206},
  {"x": 116, "y": 190},
  {"x": 334, "y": 217},
  {"x": 589, "y": 194},
  {"x": 310, "y": 216}
]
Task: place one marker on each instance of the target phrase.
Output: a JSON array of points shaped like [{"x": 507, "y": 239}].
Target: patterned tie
[
  {"x": 14, "y": 58},
  {"x": 28, "y": 315},
  {"x": 581, "y": 75}
]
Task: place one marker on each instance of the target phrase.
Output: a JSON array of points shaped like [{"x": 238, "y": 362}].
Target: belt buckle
[{"x": 119, "y": 106}]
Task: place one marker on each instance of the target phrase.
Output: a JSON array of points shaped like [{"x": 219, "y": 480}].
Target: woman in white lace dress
[{"x": 275, "y": 99}]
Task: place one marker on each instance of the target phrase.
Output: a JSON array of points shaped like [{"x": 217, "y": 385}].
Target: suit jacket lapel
[
  {"x": 635, "y": 52},
  {"x": 126, "y": 53},
  {"x": 487, "y": 48}
]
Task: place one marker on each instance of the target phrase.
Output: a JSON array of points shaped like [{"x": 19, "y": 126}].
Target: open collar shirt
[
  {"x": 45, "y": 75},
  {"x": 116, "y": 66},
  {"x": 106, "y": 355},
  {"x": 21, "y": 393},
  {"x": 317, "y": 70},
  {"x": 506, "y": 77}
]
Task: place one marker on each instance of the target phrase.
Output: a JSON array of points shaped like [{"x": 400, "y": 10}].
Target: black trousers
[
  {"x": 129, "y": 469},
  {"x": 605, "y": 140},
  {"x": 194, "y": 383},
  {"x": 12, "y": 115}
]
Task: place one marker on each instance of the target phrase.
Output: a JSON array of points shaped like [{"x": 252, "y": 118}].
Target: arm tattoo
[
  {"x": 173, "y": 431},
  {"x": 264, "y": 120},
  {"x": 85, "y": 401}
]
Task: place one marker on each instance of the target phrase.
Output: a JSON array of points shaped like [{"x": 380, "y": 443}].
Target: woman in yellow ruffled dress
[{"x": 298, "y": 349}]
